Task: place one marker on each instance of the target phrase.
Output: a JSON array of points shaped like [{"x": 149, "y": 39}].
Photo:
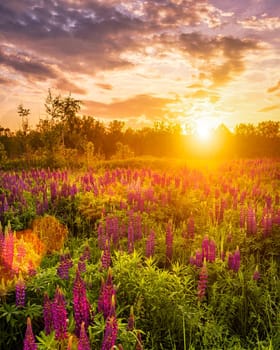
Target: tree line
[{"x": 64, "y": 137}]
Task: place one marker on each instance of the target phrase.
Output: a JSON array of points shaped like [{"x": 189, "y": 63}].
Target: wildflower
[
  {"x": 150, "y": 245},
  {"x": 256, "y": 275},
  {"x": 110, "y": 334},
  {"x": 29, "y": 340},
  {"x": 131, "y": 320},
  {"x": 81, "y": 304},
  {"x": 106, "y": 256},
  {"x": 64, "y": 266},
  {"x": 139, "y": 344},
  {"x": 47, "y": 314},
  {"x": 20, "y": 292},
  {"x": 59, "y": 315},
  {"x": 202, "y": 282},
  {"x": 106, "y": 300},
  {"x": 83, "y": 343}
]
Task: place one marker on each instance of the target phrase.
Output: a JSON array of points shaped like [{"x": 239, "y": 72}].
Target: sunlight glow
[{"x": 203, "y": 129}]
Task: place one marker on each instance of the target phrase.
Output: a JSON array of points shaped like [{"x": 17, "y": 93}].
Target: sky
[{"x": 179, "y": 61}]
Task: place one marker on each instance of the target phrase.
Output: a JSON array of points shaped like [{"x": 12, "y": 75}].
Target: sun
[{"x": 203, "y": 130}]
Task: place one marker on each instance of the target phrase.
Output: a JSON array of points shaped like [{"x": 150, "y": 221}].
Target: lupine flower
[
  {"x": 20, "y": 292},
  {"x": 83, "y": 343},
  {"x": 130, "y": 238},
  {"x": 202, "y": 282},
  {"x": 131, "y": 320},
  {"x": 47, "y": 314},
  {"x": 106, "y": 256},
  {"x": 256, "y": 275},
  {"x": 251, "y": 221},
  {"x": 81, "y": 304},
  {"x": 105, "y": 299},
  {"x": 64, "y": 266},
  {"x": 29, "y": 340},
  {"x": 59, "y": 315},
  {"x": 139, "y": 344},
  {"x": 234, "y": 260},
  {"x": 110, "y": 334}
]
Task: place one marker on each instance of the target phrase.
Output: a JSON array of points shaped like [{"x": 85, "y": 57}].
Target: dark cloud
[
  {"x": 25, "y": 64},
  {"x": 274, "y": 88},
  {"x": 269, "y": 108},
  {"x": 67, "y": 86},
  {"x": 141, "y": 105}
]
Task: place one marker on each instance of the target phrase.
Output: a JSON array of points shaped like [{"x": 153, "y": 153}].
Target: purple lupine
[
  {"x": 20, "y": 292},
  {"x": 251, "y": 222},
  {"x": 202, "y": 282},
  {"x": 81, "y": 305},
  {"x": 110, "y": 333},
  {"x": 106, "y": 256},
  {"x": 169, "y": 243},
  {"x": 198, "y": 258},
  {"x": 64, "y": 266},
  {"x": 130, "y": 238},
  {"x": 256, "y": 275},
  {"x": 47, "y": 314},
  {"x": 59, "y": 315},
  {"x": 105, "y": 299},
  {"x": 150, "y": 244},
  {"x": 205, "y": 247},
  {"x": 211, "y": 251},
  {"x": 131, "y": 320},
  {"x": 234, "y": 260},
  {"x": 83, "y": 343},
  {"x": 29, "y": 340}
]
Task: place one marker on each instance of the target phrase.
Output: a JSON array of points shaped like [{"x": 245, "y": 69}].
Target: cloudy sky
[{"x": 142, "y": 61}]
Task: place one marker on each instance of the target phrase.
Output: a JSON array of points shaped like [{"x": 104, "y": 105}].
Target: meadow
[{"x": 141, "y": 254}]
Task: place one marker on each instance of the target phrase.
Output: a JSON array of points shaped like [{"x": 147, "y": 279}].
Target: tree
[{"x": 24, "y": 114}]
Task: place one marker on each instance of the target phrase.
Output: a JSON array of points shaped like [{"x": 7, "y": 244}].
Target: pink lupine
[
  {"x": 81, "y": 305},
  {"x": 47, "y": 314},
  {"x": 150, "y": 244},
  {"x": 106, "y": 256},
  {"x": 29, "y": 340},
  {"x": 20, "y": 292},
  {"x": 83, "y": 343},
  {"x": 205, "y": 247},
  {"x": 202, "y": 282},
  {"x": 256, "y": 275},
  {"x": 64, "y": 266},
  {"x": 107, "y": 296},
  {"x": 110, "y": 333},
  {"x": 59, "y": 315},
  {"x": 131, "y": 320},
  {"x": 212, "y": 251},
  {"x": 251, "y": 222},
  {"x": 234, "y": 260}
]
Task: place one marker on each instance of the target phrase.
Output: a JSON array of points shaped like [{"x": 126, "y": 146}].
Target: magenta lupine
[
  {"x": 47, "y": 314},
  {"x": 211, "y": 251},
  {"x": 139, "y": 343},
  {"x": 29, "y": 340},
  {"x": 106, "y": 256},
  {"x": 205, "y": 247},
  {"x": 234, "y": 260},
  {"x": 110, "y": 333},
  {"x": 64, "y": 266},
  {"x": 150, "y": 244},
  {"x": 130, "y": 237},
  {"x": 131, "y": 320},
  {"x": 20, "y": 292},
  {"x": 198, "y": 258},
  {"x": 202, "y": 282},
  {"x": 251, "y": 221},
  {"x": 256, "y": 275},
  {"x": 8, "y": 250},
  {"x": 81, "y": 305},
  {"x": 83, "y": 343},
  {"x": 169, "y": 243},
  {"x": 105, "y": 296},
  {"x": 59, "y": 315}
]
